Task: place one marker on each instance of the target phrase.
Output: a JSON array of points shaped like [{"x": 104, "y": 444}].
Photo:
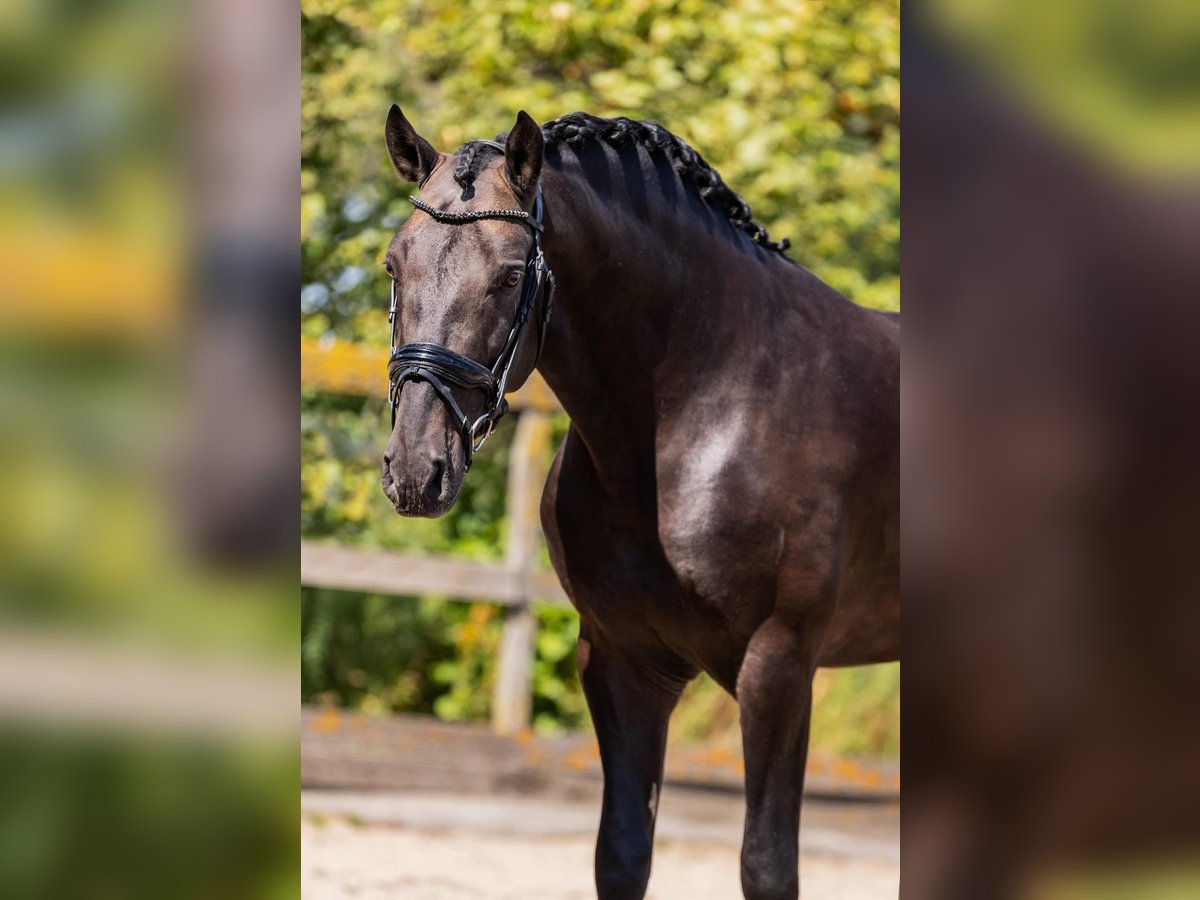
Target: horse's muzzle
[{"x": 422, "y": 487}]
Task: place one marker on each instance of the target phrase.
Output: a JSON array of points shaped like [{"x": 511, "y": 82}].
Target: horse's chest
[
  {"x": 723, "y": 564},
  {"x": 687, "y": 568},
  {"x": 716, "y": 533}
]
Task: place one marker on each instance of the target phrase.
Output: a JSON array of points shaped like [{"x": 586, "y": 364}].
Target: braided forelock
[{"x": 469, "y": 160}]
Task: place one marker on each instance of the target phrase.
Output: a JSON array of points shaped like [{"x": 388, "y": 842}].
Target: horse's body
[{"x": 727, "y": 497}]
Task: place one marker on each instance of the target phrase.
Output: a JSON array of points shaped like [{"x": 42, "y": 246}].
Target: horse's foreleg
[
  {"x": 630, "y": 698},
  {"x": 775, "y": 695}
]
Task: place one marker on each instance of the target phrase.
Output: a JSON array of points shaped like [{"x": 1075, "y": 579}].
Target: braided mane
[{"x": 578, "y": 127}]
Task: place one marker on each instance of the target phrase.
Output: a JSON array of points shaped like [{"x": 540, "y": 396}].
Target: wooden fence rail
[
  {"x": 346, "y": 368},
  {"x": 388, "y": 572}
]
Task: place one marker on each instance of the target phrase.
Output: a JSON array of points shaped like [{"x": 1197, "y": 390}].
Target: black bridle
[{"x": 436, "y": 365}]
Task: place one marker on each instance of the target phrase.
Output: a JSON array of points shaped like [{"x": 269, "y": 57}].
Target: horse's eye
[{"x": 512, "y": 278}]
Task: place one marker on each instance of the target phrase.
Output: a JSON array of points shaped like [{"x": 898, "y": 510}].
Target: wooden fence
[{"x": 344, "y": 368}]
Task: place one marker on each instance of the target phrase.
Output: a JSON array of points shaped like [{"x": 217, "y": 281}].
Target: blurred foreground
[
  {"x": 1050, "y": 445},
  {"x": 148, "y": 157}
]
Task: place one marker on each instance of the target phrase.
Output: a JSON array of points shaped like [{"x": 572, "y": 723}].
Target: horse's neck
[{"x": 641, "y": 301}]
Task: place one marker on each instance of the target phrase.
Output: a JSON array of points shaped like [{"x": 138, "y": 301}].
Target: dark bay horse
[{"x": 727, "y": 497}]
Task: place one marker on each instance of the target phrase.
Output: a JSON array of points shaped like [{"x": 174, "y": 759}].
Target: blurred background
[
  {"x": 797, "y": 105},
  {"x": 147, "y": 609}
]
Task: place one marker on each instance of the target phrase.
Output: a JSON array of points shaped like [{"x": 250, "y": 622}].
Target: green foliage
[
  {"x": 796, "y": 104},
  {"x": 856, "y": 712},
  {"x": 558, "y": 702},
  {"x": 394, "y": 654},
  {"x": 341, "y": 443}
]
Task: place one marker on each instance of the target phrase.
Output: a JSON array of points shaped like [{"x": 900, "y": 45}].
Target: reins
[{"x": 436, "y": 365}]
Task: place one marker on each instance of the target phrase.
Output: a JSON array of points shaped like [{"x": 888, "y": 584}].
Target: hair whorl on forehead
[{"x": 619, "y": 132}]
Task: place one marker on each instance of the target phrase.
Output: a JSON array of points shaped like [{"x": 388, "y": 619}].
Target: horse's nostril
[{"x": 433, "y": 490}]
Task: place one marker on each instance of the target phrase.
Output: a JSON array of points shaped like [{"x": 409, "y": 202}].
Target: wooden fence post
[{"x": 512, "y": 699}]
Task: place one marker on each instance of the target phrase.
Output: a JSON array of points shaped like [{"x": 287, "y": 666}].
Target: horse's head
[{"x": 464, "y": 284}]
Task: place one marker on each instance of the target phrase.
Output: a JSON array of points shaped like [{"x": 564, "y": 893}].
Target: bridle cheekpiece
[{"x": 437, "y": 365}]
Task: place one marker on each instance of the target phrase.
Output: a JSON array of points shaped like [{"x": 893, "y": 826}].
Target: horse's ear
[
  {"x": 523, "y": 154},
  {"x": 412, "y": 155}
]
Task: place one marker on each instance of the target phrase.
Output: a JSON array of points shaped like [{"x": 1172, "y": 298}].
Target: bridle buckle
[{"x": 490, "y": 422}]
